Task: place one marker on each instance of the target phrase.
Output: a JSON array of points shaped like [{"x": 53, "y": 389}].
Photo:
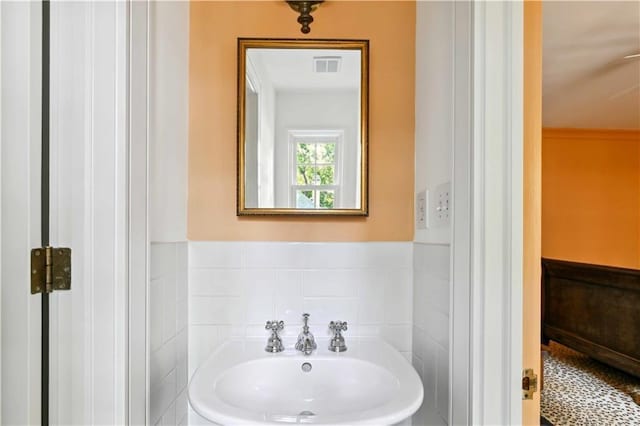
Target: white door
[
  {"x": 89, "y": 143},
  {"x": 20, "y": 214}
]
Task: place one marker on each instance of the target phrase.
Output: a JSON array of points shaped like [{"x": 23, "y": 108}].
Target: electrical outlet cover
[
  {"x": 440, "y": 211},
  {"x": 421, "y": 210}
]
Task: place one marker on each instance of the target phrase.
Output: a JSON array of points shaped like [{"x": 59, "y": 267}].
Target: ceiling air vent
[{"x": 325, "y": 64}]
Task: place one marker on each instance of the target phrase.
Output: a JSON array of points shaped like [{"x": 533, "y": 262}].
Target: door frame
[
  {"x": 487, "y": 281},
  {"x": 485, "y": 336},
  {"x": 138, "y": 172},
  {"x": 90, "y": 149},
  {"x": 119, "y": 31}
]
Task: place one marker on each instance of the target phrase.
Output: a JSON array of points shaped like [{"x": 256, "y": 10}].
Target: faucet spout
[{"x": 306, "y": 342}]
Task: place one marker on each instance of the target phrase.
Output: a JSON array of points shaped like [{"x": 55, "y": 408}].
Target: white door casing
[
  {"x": 496, "y": 238},
  {"x": 486, "y": 290},
  {"x": 89, "y": 210},
  {"x": 460, "y": 391},
  {"x": 138, "y": 172}
]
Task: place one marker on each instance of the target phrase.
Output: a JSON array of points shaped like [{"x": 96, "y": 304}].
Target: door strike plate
[
  {"x": 529, "y": 383},
  {"x": 50, "y": 269}
]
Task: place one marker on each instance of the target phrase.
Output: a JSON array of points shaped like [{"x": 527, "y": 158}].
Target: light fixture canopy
[{"x": 304, "y": 8}]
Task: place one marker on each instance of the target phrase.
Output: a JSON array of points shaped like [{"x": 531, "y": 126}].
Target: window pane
[
  {"x": 304, "y": 199},
  {"x": 327, "y": 199},
  {"x": 326, "y": 152},
  {"x": 326, "y": 175},
  {"x": 305, "y": 153},
  {"x": 306, "y": 175}
]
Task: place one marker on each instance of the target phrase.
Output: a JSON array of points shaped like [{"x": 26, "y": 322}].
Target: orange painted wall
[
  {"x": 591, "y": 196},
  {"x": 215, "y": 27},
  {"x": 532, "y": 128}
]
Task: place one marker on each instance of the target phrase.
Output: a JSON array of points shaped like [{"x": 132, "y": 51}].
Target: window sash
[
  {"x": 309, "y": 137},
  {"x": 316, "y": 189}
]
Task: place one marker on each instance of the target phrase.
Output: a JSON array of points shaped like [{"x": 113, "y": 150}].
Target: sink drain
[{"x": 306, "y": 367}]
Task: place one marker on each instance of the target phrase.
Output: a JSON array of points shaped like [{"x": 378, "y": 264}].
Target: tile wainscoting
[
  {"x": 431, "y": 263},
  {"x": 235, "y": 287},
  {"x": 168, "y": 333},
  {"x": 397, "y": 290}
]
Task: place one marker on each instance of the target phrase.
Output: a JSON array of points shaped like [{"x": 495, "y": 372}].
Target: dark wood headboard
[{"x": 594, "y": 310}]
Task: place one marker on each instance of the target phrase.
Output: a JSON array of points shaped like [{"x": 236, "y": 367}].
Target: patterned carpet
[{"x": 583, "y": 392}]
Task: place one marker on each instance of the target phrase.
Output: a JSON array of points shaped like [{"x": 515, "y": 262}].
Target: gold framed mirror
[{"x": 303, "y": 127}]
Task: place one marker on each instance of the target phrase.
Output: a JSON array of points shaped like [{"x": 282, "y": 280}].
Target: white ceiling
[
  {"x": 586, "y": 83},
  {"x": 292, "y": 69}
]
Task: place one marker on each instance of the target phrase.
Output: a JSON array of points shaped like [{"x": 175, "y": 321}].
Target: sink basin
[{"x": 369, "y": 384}]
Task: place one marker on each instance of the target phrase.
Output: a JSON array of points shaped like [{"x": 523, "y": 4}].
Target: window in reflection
[{"x": 316, "y": 166}]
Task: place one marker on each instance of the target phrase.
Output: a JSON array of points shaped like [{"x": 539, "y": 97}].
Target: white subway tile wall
[
  {"x": 168, "y": 333},
  {"x": 431, "y": 330},
  {"x": 235, "y": 287}
]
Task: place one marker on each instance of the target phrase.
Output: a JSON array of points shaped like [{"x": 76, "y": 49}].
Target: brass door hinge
[
  {"x": 529, "y": 383},
  {"x": 50, "y": 269}
]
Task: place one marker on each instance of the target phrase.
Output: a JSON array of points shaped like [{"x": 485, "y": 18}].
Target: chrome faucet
[
  {"x": 274, "y": 344},
  {"x": 306, "y": 342},
  {"x": 336, "y": 344}
]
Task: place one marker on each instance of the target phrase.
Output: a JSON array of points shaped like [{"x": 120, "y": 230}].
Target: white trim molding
[
  {"x": 496, "y": 213},
  {"x": 139, "y": 346},
  {"x": 460, "y": 395},
  {"x": 89, "y": 211}
]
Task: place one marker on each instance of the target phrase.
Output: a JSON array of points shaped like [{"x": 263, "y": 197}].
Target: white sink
[{"x": 369, "y": 384}]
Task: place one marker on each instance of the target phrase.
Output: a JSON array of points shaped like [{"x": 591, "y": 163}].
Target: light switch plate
[
  {"x": 440, "y": 206},
  {"x": 421, "y": 210}
]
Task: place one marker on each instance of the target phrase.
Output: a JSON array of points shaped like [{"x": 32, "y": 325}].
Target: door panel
[
  {"x": 532, "y": 200},
  {"x": 20, "y": 154}
]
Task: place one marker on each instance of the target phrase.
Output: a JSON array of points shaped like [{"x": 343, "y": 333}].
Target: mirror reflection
[{"x": 302, "y": 136}]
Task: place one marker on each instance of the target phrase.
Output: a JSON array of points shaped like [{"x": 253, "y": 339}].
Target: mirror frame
[{"x": 265, "y": 43}]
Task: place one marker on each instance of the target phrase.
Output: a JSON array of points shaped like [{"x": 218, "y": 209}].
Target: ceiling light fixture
[{"x": 304, "y": 8}]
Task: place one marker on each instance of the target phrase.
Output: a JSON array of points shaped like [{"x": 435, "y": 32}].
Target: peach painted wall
[
  {"x": 215, "y": 27},
  {"x": 591, "y": 196}
]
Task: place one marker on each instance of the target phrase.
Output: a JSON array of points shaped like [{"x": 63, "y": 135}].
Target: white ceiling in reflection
[{"x": 293, "y": 69}]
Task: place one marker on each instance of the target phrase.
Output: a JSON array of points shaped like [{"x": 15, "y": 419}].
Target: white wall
[
  {"x": 251, "y": 132},
  {"x": 168, "y": 142},
  {"x": 261, "y": 179},
  {"x": 433, "y": 157},
  {"x": 168, "y": 119},
  {"x": 317, "y": 111},
  {"x": 235, "y": 287},
  {"x": 434, "y": 105}
]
